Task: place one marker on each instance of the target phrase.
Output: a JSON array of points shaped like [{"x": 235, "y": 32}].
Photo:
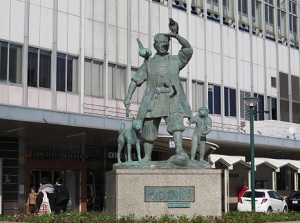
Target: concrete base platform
[{"x": 155, "y": 192}]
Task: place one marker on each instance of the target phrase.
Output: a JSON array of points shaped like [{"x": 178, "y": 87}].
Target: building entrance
[
  {"x": 70, "y": 179},
  {"x": 73, "y": 174}
]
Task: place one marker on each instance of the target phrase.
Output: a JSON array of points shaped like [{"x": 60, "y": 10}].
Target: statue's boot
[
  {"x": 148, "y": 147},
  {"x": 178, "y": 142}
]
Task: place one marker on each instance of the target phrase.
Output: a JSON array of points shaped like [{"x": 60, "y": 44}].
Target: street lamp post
[{"x": 251, "y": 102}]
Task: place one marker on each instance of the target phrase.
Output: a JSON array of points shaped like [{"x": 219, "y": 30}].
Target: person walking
[
  {"x": 45, "y": 186},
  {"x": 62, "y": 196},
  {"x": 31, "y": 201}
]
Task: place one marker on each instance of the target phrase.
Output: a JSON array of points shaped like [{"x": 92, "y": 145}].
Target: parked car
[
  {"x": 265, "y": 201},
  {"x": 293, "y": 201}
]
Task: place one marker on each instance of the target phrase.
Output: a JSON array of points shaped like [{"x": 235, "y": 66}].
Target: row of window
[
  {"x": 286, "y": 9},
  {"x": 39, "y": 68},
  {"x": 39, "y": 75}
]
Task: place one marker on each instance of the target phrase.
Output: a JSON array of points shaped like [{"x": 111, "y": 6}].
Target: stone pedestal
[{"x": 172, "y": 191}]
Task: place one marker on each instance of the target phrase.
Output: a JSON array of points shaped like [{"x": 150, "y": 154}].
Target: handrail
[{"x": 121, "y": 113}]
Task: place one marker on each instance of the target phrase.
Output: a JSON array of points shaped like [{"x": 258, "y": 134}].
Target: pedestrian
[
  {"x": 62, "y": 196},
  {"x": 45, "y": 186},
  {"x": 31, "y": 201}
]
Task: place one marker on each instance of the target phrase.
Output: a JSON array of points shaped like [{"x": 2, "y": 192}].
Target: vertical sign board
[{"x": 1, "y": 177}]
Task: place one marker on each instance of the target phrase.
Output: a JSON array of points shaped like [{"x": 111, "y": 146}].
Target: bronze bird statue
[
  {"x": 144, "y": 52},
  {"x": 173, "y": 26}
]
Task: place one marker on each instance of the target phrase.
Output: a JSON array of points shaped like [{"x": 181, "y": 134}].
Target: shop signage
[
  {"x": 55, "y": 155},
  {"x": 169, "y": 194}
]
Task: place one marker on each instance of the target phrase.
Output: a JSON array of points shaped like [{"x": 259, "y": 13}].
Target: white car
[{"x": 265, "y": 201}]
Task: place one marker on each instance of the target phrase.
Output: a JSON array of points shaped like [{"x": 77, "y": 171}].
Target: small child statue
[{"x": 203, "y": 127}]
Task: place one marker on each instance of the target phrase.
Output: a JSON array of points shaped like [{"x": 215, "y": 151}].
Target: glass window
[
  {"x": 214, "y": 100},
  {"x": 72, "y": 71},
  {"x": 217, "y": 99},
  {"x": 93, "y": 78},
  {"x": 230, "y": 102},
  {"x": 116, "y": 81},
  {"x": 15, "y": 64},
  {"x": 66, "y": 73},
  {"x": 269, "y": 14},
  {"x": 32, "y": 72},
  {"x": 45, "y": 69},
  {"x": 3, "y": 61},
  {"x": 39, "y": 68},
  {"x": 243, "y": 7},
  {"x": 60, "y": 72},
  {"x": 197, "y": 95}
]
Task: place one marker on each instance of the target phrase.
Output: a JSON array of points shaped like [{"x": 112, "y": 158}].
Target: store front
[{"x": 73, "y": 172}]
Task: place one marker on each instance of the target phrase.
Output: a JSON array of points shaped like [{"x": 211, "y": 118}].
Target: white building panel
[
  {"x": 122, "y": 14},
  {"x": 143, "y": 22},
  {"x": 5, "y": 16},
  {"x": 136, "y": 17},
  {"x": 155, "y": 19},
  {"x": 62, "y": 32},
  {"x": 36, "y": 2},
  {"x": 210, "y": 68},
  {"x": 46, "y": 28},
  {"x": 17, "y": 13},
  {"x": 240, "y": 46},
  {"x": 193, "y": 32},
  {"x": 232, "y": 72},
  {"x": 216, "y": 38},
  {"x": 260, "y": 80},
  {"x": 200, "y": 33},
  {"x": 88, "y": 38},
  {"x": 134, "y": 49},
  {"x": 74, "y": 7},
  {"x": 200, "y": 65},
  {"x": 284, "y": 59},
  {"x": 47, "y": 4},
  {"x": 225, "y": 32},
  {"x": 292, "y": 61},
  {"x": 209, "y": 36},
  {"x": 232, "y": 43},
  {"x": 272, "y": 54},
  {"x": 33, "y": 97},
  {"x": 254, "y": 49},
  {"x": 63, "y": 6},
  {"x": 73, "y": 34},
  {"x": 112, "y": 43},
  {"x": 121, "y": 46},
  {"x": 296, "y": 62},
  {"x": 99, "y": 10},
  {"x": 61, "y": 101},
  {"x": 89, "y": 9},
  {"x": 72, "y": 103},
  {"x": 4, "y": 93},
  {"x": 260, "y": 51},
  {"x": 15, "y": 95},
  {"x": 247, "y": 76},
  {"x": 226, "y": 71},
  {"x": 45, "y": 99},
  {"x": 193, "y": 65},
  {"x": 99, "y": 40},
  {"x": 34, "y": 25},
  {"x": 112, "y": 13},
  {"x": 246, "y": 47},
  {"x": 164, "y": 22},
  {"x": 217, "y": 68}
]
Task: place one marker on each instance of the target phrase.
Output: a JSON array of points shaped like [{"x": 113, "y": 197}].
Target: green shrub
[{"x": 95, "y": 217}]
